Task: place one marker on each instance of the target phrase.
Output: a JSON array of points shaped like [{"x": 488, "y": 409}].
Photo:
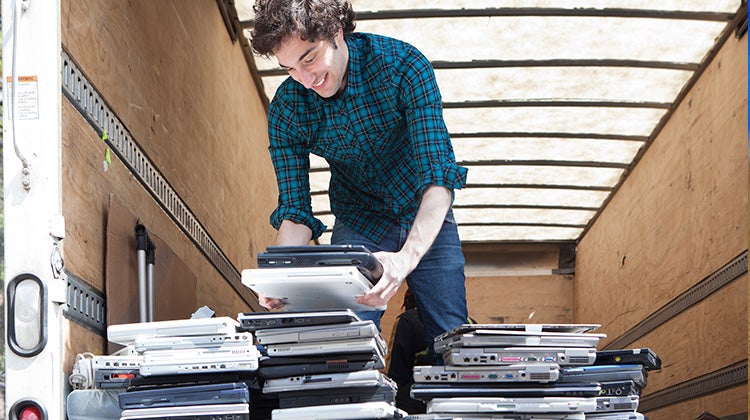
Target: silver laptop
[
  {"x": 200, "y": 360},
  {"x": 143, "y": 344},
  {"x": 360, "y": 378},
  {"x": 361, "y": 329},
  {"x": 127, "y": 333},
  {"x": 471, "y": 356},
  {"x": 499, "y": 338},
  {"x": 537, "y": 372},
  {"x": 511, "y": 405},
  {"x": 307, "y": 288},
  {"x": 356, "y": 345},
  {"x": 367, "y": 410},
  {"x": 219, "y": 411}
]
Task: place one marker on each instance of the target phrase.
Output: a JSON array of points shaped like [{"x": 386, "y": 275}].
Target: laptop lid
[
  {"x": 321, "y": 256},
  {"x": 310, "y": 288},
  {"x": 226, "y": 393}
]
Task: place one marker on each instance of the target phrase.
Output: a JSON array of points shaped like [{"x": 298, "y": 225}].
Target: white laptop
[
  {"x": 127, "y": 333},
  {"x": 511, "y": 405},
  {"x": 367, "y": 410},
  {"x": 143, "y": 344},
  {"x": 310, "y": 288},
  {"x": 220, "y": 411},
  {"x": 200, "y": 360},
  {"x": 361, "y": 329}
]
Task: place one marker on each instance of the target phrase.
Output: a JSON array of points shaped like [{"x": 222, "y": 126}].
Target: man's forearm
[
  {"x": 293, "y": 233},
  {"x": 436, "y": 201}
]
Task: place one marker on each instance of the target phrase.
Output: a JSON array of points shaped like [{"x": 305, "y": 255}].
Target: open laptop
[
  {"x": 310, "y": 288},
  {"x": 255, "y": 321},
  {"x": 322, "y": 256}
]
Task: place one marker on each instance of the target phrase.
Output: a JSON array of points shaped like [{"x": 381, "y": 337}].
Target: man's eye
[{"x": 309, "y": 60}]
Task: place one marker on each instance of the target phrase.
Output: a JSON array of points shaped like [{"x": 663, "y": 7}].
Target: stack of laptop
[
  {"x": 192, "y": 368},
  {"x": 323, "y": 361},
  {"x": 529, "y": 371}
]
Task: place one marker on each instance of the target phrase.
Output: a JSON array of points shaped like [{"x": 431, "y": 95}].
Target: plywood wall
[
  {"x": 681, "y": 215},
  {"x": 172, "y": 75}
]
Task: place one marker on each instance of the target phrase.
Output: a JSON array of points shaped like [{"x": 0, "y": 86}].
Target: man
[{"x": 371, "y": 107}]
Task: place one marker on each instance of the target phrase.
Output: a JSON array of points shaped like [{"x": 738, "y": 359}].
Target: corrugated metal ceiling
[{"x": 549, "y": 103}]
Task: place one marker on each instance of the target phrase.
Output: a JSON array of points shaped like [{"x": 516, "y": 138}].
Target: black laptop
[{"x": 322, "y": 256}]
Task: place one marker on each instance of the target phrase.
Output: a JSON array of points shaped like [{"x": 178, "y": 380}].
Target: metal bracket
[{"x": 86, "y": 305}]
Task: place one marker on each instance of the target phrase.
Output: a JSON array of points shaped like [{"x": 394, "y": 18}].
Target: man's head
[{"x": 307, "y": 37}]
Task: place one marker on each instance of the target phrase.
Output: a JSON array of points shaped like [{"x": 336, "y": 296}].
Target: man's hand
[
  {"x": 290, "y": 233},
  {"x": 396, "y": 266},
  {"x": 436, "y": 201}
]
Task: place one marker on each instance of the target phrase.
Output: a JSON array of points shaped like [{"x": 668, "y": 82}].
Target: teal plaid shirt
[{"x": 384, "y": 139}]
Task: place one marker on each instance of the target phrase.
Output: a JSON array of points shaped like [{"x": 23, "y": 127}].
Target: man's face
[{"x": 318, "y": 65}]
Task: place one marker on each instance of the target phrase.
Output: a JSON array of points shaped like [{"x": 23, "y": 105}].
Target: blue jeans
[{"x": 437, "y": 282}]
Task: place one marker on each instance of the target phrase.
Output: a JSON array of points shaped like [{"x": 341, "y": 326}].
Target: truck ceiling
[{"x": 549, "y": 104}]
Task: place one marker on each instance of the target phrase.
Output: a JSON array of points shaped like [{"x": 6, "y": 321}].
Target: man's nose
[{"x": 306, "y": 78}]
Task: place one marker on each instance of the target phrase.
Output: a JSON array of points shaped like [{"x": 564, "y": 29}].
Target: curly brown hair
[{"x": 311, "y": 20}]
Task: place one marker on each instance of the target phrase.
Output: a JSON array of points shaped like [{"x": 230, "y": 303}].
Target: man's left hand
[{"x": 395, "y": 269}]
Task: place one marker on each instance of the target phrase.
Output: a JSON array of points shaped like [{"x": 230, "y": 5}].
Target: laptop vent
[
  {"x": 539, "y": 376},
  {"x": 339, "y": 365},
  {"x": 579, "y": 360},
  {"x": 622, "y": 406}
]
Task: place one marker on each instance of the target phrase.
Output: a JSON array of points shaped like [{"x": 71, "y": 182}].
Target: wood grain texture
[
  {"x": 700, "y": 340},
  {"x": 681, "y": 214},
  {"x": 170, "y": 72},
  {"x": 725, "y": 403}
]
